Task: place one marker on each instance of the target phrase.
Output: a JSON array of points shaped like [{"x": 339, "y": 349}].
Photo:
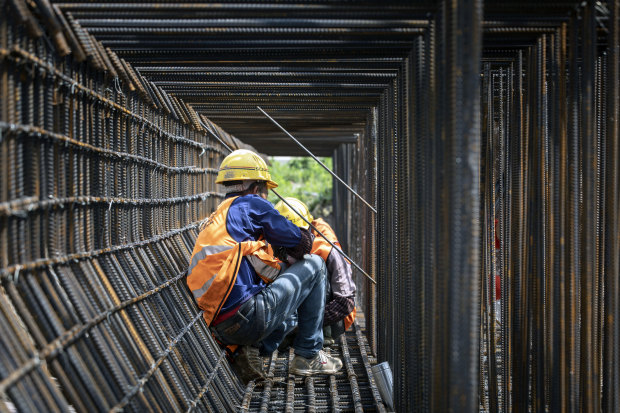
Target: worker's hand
[
  {"x": 280, "y": 253},
  {"x": 291, "y": 260},
  {"x": 304, "y": 247}
]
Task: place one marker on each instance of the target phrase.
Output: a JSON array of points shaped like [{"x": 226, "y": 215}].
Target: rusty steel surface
[
  {"x": 549, "y": 213},
  {"x": 485, "y": 134},
  {"x": 105, "y": 180}
]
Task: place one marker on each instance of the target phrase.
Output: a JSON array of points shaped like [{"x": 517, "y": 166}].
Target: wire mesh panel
[
  {"x": 549, "y": 105},
  {"x": 427, "y": 168},
  {"x": 101, "y": 193}
]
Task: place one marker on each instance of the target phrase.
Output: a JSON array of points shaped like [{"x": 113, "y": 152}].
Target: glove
[
  {"x": 280, "y": 253},
  {"x": 297, "y": 252},
  {"x": 304, "y": 247}
]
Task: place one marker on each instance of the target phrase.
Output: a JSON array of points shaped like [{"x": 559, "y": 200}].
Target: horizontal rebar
[
  {"x": 41, "y": 133},
  {"x": 11, "y": 273},
  {"x": 21, "y": 207},
  {"x": 73, "y": 85}
]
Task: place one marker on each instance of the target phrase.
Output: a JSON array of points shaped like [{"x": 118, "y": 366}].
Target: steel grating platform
[{"x": 352, "y": 390}]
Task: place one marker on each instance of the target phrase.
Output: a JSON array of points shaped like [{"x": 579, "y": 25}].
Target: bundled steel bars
[
  {"x": 101, "y": 197},
  {"x": 546, "y": 198}
]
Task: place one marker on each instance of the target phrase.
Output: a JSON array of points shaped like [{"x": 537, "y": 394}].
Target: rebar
[
  {"x": 320, "y": 163},
  {"x": 487, "y": 146}
]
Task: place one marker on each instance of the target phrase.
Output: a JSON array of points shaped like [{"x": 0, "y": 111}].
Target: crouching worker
[
  {"x": 248, "y": 298},
  {"x": 340, "y": 288}
]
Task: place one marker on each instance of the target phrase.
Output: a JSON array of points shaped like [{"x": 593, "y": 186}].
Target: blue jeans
[{"x": 295, "y": 298}]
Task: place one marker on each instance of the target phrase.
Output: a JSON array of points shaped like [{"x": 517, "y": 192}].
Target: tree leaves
[{"x": 303, "y": 178}]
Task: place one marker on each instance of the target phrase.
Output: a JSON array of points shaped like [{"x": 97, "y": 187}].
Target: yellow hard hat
[
  {"x": 242, "y": 165},
  {"x": 291, "y": 215}
]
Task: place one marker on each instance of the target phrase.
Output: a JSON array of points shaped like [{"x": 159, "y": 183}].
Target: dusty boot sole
[
  {"x": 248, "y": 369},
  {"x": 246, "y": 376}
]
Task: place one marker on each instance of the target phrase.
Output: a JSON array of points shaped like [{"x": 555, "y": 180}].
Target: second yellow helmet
[{"x": 291, "y": 215}]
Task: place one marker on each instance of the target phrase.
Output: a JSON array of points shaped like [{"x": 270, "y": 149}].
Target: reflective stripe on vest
[
  {"x": 264, "y": 270},
  {"x": 215, "y": 262}
]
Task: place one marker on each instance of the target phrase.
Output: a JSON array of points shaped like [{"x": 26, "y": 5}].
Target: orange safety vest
[
  {"x": 324, "y": 227},
  {"x": 323, "y": 248},
  {"x": 216, "y": 259}
]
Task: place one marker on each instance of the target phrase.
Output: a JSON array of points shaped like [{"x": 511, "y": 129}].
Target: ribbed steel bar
[
  {"x": 559, "y": 385},
  {"x": 245, "y": 405},
  {"x": 456, "y": 324},
  {"x": 316, "y": 159},
  {"x": 106, "y": 169},
  {"x": 266, "y": 397},
  {"x": 589, "y": 376},
  {"x": 611, "y": 354},
  {"x": 290, "y": 386},
  {"x": 348, "y": 365},
  {"x": 361, "y": 343},
  {"x": 334, "y": 397},
  {"x": 311, "y": 403}
]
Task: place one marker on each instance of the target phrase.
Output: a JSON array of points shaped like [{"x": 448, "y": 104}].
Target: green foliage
[{"x": 303, "y": 178}]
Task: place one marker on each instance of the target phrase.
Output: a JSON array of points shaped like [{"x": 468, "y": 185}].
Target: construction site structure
[{"x": 475, "y": 145}]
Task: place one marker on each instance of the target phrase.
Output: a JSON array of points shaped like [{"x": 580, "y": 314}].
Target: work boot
[
  {"x": 249, "y": 364},
  {"x": 328, "y": 340},
  {"x": 287, "y": 341},
  {"x": 322, "y": 363}
]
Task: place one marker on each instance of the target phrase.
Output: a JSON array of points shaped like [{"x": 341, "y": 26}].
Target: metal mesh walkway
[{"x": 353, "y": 390}]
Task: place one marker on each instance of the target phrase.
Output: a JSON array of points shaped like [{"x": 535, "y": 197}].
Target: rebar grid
[
  {"x": 503, "y": 166},
  {"x": 352, "y": 390},
  {"x": 107, "y": 178},
  {"x": 546, "y": 215},
  {"x": 101, "y": 198}
]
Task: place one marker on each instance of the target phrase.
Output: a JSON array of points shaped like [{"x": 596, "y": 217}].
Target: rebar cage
[
  {"x": 486, "y": 135},
  {"x": 102, "y": 192}
]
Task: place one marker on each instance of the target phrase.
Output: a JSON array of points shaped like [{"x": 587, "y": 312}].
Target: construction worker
[
  {"x": 249, "y": 298},
  {"x": 340, "y": 297}
]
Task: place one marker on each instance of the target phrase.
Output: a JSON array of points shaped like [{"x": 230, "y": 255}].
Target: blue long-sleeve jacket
[{"x": 248, "y": 218}]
